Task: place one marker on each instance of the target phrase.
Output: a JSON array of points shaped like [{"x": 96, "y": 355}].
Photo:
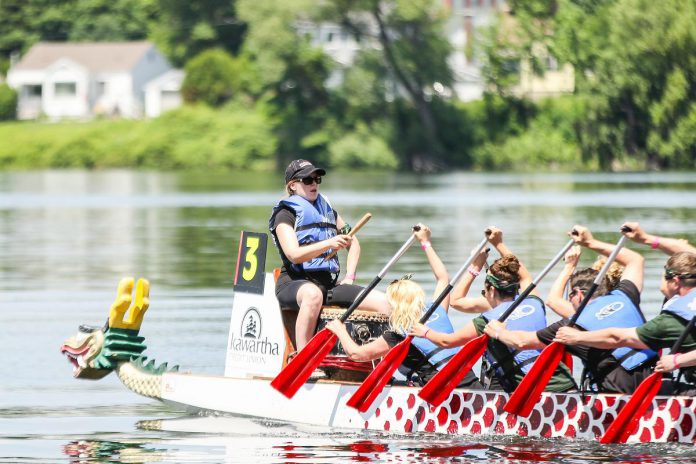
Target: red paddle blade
[
  {"x": 626, "y": 421},
  {"x": 527, "y": 393},
  {"x": 441, "y": 385},
  {"x": 375, "y": 382},
  {"x": 296, "y": 373}
]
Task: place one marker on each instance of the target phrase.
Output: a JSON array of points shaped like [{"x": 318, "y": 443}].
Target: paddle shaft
[
  {"x": 598, "y": 280},
  {"x": 344, "y": 317},
  {"x": 352, "y": 232},
  {"x": 452, "y": 282}
]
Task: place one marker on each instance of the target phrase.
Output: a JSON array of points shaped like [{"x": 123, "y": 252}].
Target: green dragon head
[{"x": 94, "y": 352}]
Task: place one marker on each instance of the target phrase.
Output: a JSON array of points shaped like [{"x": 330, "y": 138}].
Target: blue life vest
[
  {"x": 436, "y": 356},
  {"x": 529, "y": 316},
  {"x": 682, "y": 306},
  {"x": 616, "y": 309},
  {"x": 313, "y": 223}
]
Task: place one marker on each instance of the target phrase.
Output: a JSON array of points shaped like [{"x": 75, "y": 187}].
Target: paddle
[
  {"x": 296, "y": 373},
  {"x": 626, "y": 421},
  {"x": 447, "y": 379},
  {"x": 363, "y": 220},
  {"x": 375, "y": 382},
  {"x": 529, "y": 390}
]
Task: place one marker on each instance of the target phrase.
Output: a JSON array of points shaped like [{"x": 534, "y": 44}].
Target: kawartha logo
[{"x": 249, "y": 339}]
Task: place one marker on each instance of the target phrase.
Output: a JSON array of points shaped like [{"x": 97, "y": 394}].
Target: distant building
[
  {"x": 83, "y": 80},
  {"x": 463, "y": 24}
]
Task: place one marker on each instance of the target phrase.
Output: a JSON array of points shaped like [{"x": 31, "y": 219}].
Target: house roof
[{"x": 95, "y": 56}]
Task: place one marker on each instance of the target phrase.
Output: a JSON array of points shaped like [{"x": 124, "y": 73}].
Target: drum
[{"x": 363, "y": 327}]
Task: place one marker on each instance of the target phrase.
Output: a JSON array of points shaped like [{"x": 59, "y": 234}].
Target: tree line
[{"x": 634, "y": 104}]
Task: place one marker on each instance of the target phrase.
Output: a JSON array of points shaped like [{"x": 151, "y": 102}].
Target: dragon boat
[{"x": 258, "y": 345}]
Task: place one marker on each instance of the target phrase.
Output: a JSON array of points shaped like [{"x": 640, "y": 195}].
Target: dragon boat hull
[
  {"x": 399, "y": 409},
  {"x": 257, "y": 349}
]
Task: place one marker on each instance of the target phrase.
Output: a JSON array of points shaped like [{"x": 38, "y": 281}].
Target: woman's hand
[
  {"x": 419, "y": 330},
  {"x": 340, "y": 241},
  {"x": 581, "y": 235},
  {"x": 495, "y": 236},
  {"x": 572, "y": 256},
  {"x": 336, "y": 327},
  {"x": 633, "y": 231},
  {"x": 666, "y": 364},
  {"x": 423, "y": 235},
  {"x": 493, "y": 329},
  {"x": 568, "y": 336}
]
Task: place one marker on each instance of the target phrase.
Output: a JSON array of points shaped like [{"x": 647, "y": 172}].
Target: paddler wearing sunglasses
[{"x": 306, "y": 229}]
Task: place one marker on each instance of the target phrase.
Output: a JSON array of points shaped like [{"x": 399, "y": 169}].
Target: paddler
[
  {"x": 678, "y": 285},
  {"x": 503, "y": 367},
  {"x": 407, "y": 301},
  {"x": 615, "y": 371}
]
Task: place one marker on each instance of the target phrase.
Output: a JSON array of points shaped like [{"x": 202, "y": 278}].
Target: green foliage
[
  {"x": 185, "y": 29},
  {"x": 362, "y": 149},
  {"x": 214, "y": 77},
  {"x": 191, "y": 137},
  {"x": 8, "y": 103}
]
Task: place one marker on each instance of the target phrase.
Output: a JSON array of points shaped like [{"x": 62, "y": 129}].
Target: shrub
[{"x": 8, "y": 103}]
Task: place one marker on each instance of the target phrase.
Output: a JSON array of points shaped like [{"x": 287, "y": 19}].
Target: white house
[
  {"x": 163, "y": 93},
  {"x": 82, "y": 80}
]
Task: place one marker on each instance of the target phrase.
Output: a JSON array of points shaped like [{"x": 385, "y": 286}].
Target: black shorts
[{"x": 340, "y": 295}]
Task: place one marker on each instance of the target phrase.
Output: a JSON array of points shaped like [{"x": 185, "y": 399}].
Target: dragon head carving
[{"x": 94, "y": 351}]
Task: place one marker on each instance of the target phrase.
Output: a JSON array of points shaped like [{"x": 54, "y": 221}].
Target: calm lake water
[{"x": 67, "y": 237}]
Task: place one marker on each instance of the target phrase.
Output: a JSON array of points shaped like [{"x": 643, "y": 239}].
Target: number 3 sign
[{"x": 251, "y": 263}]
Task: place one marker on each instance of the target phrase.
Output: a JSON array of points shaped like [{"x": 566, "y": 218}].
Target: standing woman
[
  {"x": 407, "y": 301},
  {"x": 305, "y": 228}
]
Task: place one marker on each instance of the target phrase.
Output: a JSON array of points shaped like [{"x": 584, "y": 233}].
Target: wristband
[
  {"x": 676, "y": 363},
  {"x": 426, "y": 245},
  {"x": 350, "y": 276},
  {"x": 655, "y": 243},
  {"x": 473, "y": 271},
  {"x": 425, "y": 335}
]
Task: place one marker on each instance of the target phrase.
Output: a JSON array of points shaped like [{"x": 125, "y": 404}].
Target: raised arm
[
  {"x": 629, "y": 259},
  {"x": 667, "y": 245},
  {"x": 495, "y": 237},
  {"x": 439, "y": 270},
  {"x": 459, "y": 299},
  {"x": 555, "y": 299}
]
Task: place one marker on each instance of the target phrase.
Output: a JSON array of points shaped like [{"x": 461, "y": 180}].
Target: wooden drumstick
[{"x": 353, "y": 231}]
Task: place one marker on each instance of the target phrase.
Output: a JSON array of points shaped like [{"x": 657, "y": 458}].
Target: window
[
  {"x": 32, "y": 91},
  {"x": 330, "y": 37},
  {"x": 65, "y": 89},
  {"x": 101, "y": 88}
]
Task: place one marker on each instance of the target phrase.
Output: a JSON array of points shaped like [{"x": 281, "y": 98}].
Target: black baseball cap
[{"x": 300, "y": 168}]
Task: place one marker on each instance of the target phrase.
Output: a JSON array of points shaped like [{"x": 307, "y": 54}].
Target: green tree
[
  {"x": 8, "y": 103},
  {"x": 185, "y": 28},
  {"x": 214, "y": 77}
]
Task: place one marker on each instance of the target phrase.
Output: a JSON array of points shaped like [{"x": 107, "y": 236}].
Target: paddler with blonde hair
[{"x": 408, "y": 304}]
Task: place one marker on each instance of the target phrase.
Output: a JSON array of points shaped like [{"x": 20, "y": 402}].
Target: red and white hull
[{"x": 399, "y": 409}]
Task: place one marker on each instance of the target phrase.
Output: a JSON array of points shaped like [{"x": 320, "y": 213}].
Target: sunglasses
[
  {"x": 408, "y": 276},
  {"x": 309, "y": 180},
  {"x": 669, "y": 274}
]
